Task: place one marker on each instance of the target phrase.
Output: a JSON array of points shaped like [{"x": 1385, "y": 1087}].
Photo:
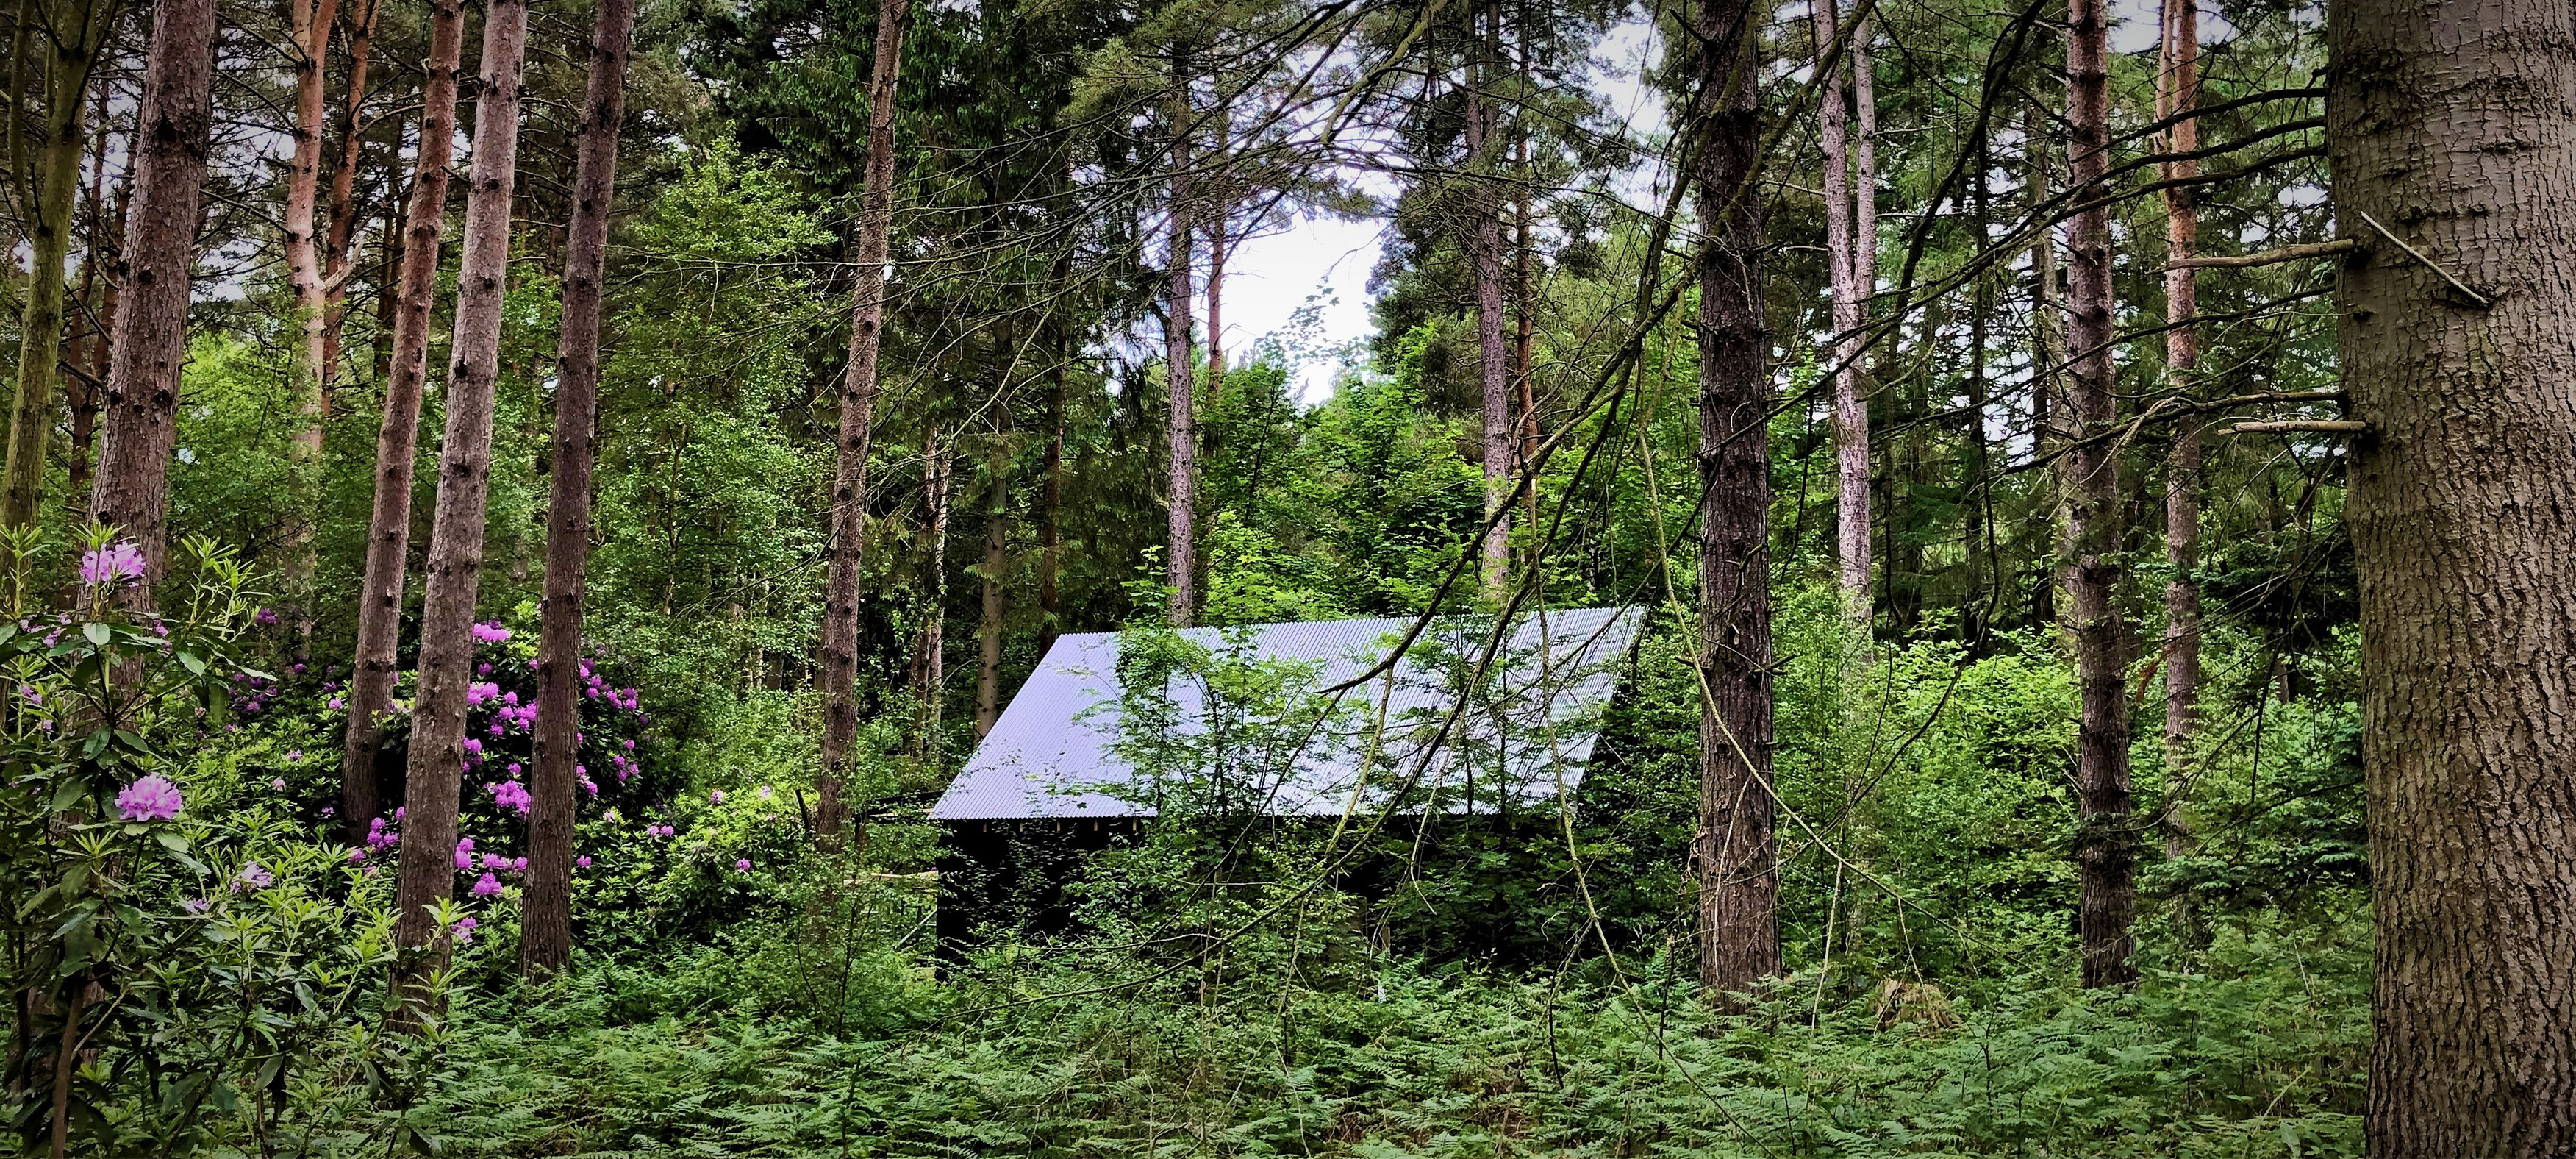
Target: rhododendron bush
[{"x": 172, "y": 926}]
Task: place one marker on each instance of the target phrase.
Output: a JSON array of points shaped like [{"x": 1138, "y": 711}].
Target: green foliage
[
  {"x": 2259, "y": 1055},
  {"x": 190, "y": 964}
]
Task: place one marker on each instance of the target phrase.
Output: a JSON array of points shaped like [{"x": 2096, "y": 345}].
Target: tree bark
[
  {"x": 40, "y": 320},
  {"x": 1493, "y": 355},
  {"x": 930, "y": 675},
  {"x": 858, "y": 415},
  {"x": 1739, "y": 939},
  {"x": 2091, "y": 563},
  {"x": 150, "y": 342},
  {"x": 380, "y": 599},
  {"x": 98, "y": 297},
  {"x": 2178, "y": 95},
  {"x": 1180, "y": 493},
  {"x": 310, "y": 22},
  {"x": 1217, "y": 243},
  {"x": 2048, "y": 345},
  {"x": 545, "y": 924},
  {"x": 988, "y": 673},
  {"x": 344, "y": 182},
  {"x": 455, "y": 556},
  {"x": 1050, "y": 526},
  {"x": 2453, "y": 125},
  {"x": 1851, "y": 407}
]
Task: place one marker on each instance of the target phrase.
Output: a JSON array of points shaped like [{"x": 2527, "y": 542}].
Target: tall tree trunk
[
  {"x": 341, "y": 257},
  {"x": 2453, "y": 126},
  {"x": 1739, "y": 937},
  {"x": 40, "y": 321},
  {"x": 1524, "y": 305},
  {"x": 1851, "y": 407},
  {"x": 1051, "y": 503},
  {"x": 2048, "y": 415},
  {"x": 997, "y": 473},
  {"x": 311, "y": 22},
  {"x": 858, "y": 415},
  {"x": 1218, "y": 212},
  {"x": 1180, "y": 492},
  {"x": 150, "y": 341},
  {"x": 98, "y": 299},
  {"x": 2179, "y": 94},
  {"x": 455, "y": 558},
  {"x": 1485, "y": 255},
  {"x": 380, "y": 596},
  {"x": 2104, "y": 853},
  {"x": 545, "y": 925},
  {"x": 930, "y": 675}
]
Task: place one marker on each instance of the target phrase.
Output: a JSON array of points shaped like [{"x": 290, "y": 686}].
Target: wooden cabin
[{"x": 1381, "y": 730}]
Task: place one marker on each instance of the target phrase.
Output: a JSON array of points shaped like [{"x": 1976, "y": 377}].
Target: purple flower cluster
[
  {"x": 490, "y": 632},
  {"x": 511, "y": 795},
  {"x": 151, "y": 798},
  {"x": 120, "y": 562},
  {"x": 254, "y": 693}
]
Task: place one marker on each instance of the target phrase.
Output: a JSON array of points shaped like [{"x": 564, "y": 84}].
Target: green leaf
[{"x": 97, "y": 633}]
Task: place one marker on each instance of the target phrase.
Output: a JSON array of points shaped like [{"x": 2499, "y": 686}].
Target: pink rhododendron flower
[
  {"x": 486, "y": 885},
  {"x": 253, "y": 876},
  {"x": 465, "y": 853},
  {"x": 491, "y": 633},
  {"x": 465, "y": 930},
  {"x": 742, "y": 865},
  {"x": 511, "y": 795},
  {"x": 117, "y": 562},
  {"x": 151, "y": 798},
  {"x": 583, "y": 861}
]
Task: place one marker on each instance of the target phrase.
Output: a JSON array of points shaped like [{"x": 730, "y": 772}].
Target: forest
[{"x": 530, "y": 529}]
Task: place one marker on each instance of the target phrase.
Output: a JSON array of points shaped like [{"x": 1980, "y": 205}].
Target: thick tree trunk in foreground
[
  {"x": 1739, "y": 883},
  {"x": 545, "y": 924},
  {"x": 2453, "y": 125},
  {"x": 1493, "y": 355},
  {"x": 40, "y": 319},
  {"x": 455, "y": 558},
  {"x": 858, "y": 414},
  {"x": 380, "y": 598},
  {"x": 1180, "y": 492},
  {"x": 2104, "y": 850},
  {"x": 150, "y": 342}
]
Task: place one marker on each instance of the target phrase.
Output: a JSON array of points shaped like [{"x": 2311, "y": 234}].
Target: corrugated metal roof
[{"x": 1053, "y": 753}]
